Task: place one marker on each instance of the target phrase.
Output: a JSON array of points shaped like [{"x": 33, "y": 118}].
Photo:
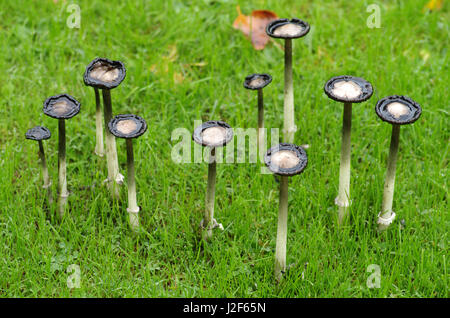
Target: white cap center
[
  {"x": 105, "y": 73},
  {"x": 126, "y": 126},
  {"x": 346, "y": 89},
  {"x": 288, "y": 29},
  {"x": 214, "y": 135},
  {"x": 285, "y": 159},
  {"x": 397, "y": 109}
]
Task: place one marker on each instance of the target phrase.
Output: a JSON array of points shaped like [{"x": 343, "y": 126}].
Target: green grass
[{"x": 41, "y": 57}]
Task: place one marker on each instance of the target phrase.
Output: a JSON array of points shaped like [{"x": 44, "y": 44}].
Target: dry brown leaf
[
  {"x": 433, "y": 5},
  {"x": 255, "y": 26}
]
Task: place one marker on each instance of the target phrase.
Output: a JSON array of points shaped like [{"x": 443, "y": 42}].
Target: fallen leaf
[
  {"x": 255, "y": 26},
  {"x": 433, "y": 5}
]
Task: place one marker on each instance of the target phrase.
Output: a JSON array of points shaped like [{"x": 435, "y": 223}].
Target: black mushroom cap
[
  {"x": 287, "y": 29},
  {"x": 214, "y": 133},
  {"x": 61, "y": 106},
  {"x": 104, "y": 74},
  {"x": 257, "y": 81},
  {"x": 127, "y": 126},
  {"x": 286, "y": 159},
  {"x": 348, "y": 89},
  {"x": 399, "y": 110},
  {"x": 38, "y": 133}
]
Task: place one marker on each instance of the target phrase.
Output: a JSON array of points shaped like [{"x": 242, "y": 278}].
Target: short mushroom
[
  {"x": 288, "y": 29},
  {"x": 212, "y": 134},
  {"x": 396, "y": 110},
  {"x": 105, "y": 74},
  {"x": 39, "y": 134},
  {"x": 61, "y": 107},
  {"x": 347, "y": 90},
  {"x": 284, "y": 160},
  {"x": 258, "y": 82},
  {"x": 129, "y": 126}
]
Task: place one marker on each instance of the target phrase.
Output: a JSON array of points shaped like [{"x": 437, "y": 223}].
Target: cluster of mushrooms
[
  {"x": 101, "y": 74},
  {"x": 285, "y": 159}
]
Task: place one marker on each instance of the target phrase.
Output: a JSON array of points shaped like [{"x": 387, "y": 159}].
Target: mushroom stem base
[
  {"x": 47, "y": 183},
  {"x": 261, "y": 137},
  {"x": 133, "y": 208},
  {"x": 280, "y": 250},
  {"x": 389, "y": 183},
  {"x": 210, "y": 197},
  {"x": 62, "y": 170},
  {"x": 343, "y": 199}
]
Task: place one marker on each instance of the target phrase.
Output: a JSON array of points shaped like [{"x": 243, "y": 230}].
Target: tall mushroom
[
  {"x": 61, "y": 107},
  {"x": 347, "y": 90},
  {"x": 288, "y": 29},
  {"x": 258, "y": 82},
  {"x": 105, "y": 74},
  {"x": 129, "y": 126},
  {"x": 284, "y": 160},
  {"x": 211, "y": 134},
  {"x": 396, "y": 110},
  {"x": 39, "y": 134}
]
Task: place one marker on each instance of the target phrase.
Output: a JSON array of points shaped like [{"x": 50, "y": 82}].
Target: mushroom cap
[
  {"x": 257, "y": 81},
  {"x": 399, "y": 110},
  {"x": 104, "y": 74},
  {"x": 348, "y": 89},
  {"x": 61, "y": 106},
  {"x": 38, "y": 133},
  {"x": 287, "y": 29},
  {"x": 127, "y": 126},
  {"x": 214, "y": 133},
  {"x": 286, "y": 159}
]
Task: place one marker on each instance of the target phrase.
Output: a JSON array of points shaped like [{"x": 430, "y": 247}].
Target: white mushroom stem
[
  {"x": 47, "y": 183},
  {"x": 208, "y": 221},
  {"x": 114, "y": 177},
  {"x": 261, "y": 145},
  {"x": 343, "y": 199},
  {"x": 289, "y": 126},
  {"x": 280, "y": 249},
  {"x": 133, "y": 208},
  {"x": 62, "y": 173},
  {"x": 99, "y": 149},
  {"x": 386, "y": 216}
]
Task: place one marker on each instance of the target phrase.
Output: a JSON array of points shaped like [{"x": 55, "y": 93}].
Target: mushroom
[
  {"x": 211, "y": 134},
  {"x": 347, "y": 90},
  {"x": 40, "y": 133},
  {"x": 284, "y": 160},
  {"x": 129, "y": 126},
  {"x": 396, "y": 110},
  {"x": 61, "y": 107},
  {"x": 105, "y": 74},
  {"x": 288, "y": 29},
  {"x": 258, "y": 82}
]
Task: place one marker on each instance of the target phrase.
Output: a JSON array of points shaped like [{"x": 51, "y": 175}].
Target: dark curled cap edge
[
  {"x": 141, "y": 126},
  {"x": 197, "y": 135},
  {"x": 297, "y": 169},
  {"x": 272, "y": 26},
  {"x": 73, "y": 103},
  {"x": 366, "y": 88},
  {"x": 266, "y": 77},
  {"x": 38, "y": 133},
  {"x": 414, "y": 110},
  {"x": 89, "y": 81}
]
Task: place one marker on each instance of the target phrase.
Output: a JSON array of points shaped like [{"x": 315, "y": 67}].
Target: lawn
[{"x": 185, "y": 62}]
